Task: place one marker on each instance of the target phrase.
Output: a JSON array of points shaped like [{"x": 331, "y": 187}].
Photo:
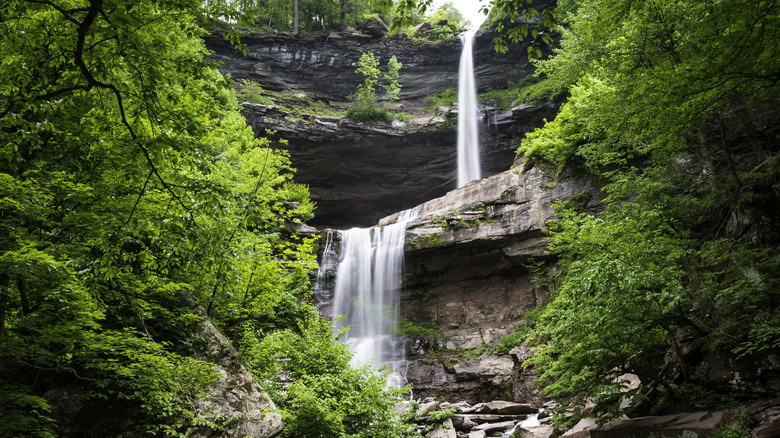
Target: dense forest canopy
[
  {"x": 316, "y": 16},
  {"x": 128, "y": 178},
  {"x": 674, "y": 107},
  {"x": 313, "y": 15}
]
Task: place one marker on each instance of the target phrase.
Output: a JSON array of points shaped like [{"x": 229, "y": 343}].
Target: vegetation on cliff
[
  {"x": 127, "y": 177},
  {"x": 306, "y": 17},
  {"x": 674, "y": 106}
]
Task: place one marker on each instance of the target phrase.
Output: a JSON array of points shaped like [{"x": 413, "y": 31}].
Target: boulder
[
  {"x": 428, "y": 406},
  {"x": 458, "y": 406},
  {"x": 490, "y": 428},
  {"x": 443, "y": 430},
  {"x": 542, "y": 431},
  {"x": 700, "y": 424},
  {"x": 463, "y": 423},
  {"x": 767, "y": 415},
  {"x": 235, "y": 394},
  {"x": 510, "y": 408},
  {"x": 375, "y": 27},
  {"x": 769, "y": 429},
  {"x": 424, "y": 27}
]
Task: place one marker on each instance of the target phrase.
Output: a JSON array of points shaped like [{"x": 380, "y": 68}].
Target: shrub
[{"x": 368, "y": 113}]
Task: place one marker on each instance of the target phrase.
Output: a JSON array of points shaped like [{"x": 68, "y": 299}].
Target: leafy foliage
[
  {"x": 313, "y": 15},
  {"x": 514, "y": 20},
  {"x": 437, "y": 417},
  {"x": 128, "y": 177},
  {"x": 529, "y": 90},
  {"x": 326, "y": 396},
  {"x": 392, "y": 87},
  {"x": 367, "y": 110},
  {"x": 665, "y": 99}
]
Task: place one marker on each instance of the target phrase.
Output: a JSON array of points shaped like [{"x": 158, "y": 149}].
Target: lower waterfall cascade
[{"x": 368, "y": 280}]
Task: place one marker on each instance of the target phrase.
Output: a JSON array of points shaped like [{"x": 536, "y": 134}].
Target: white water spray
[
  {"x": 367, "y": 285},
  {"x": 468, "y": 131}
]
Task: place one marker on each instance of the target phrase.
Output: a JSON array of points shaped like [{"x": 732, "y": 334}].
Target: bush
[
  {"x": 368, "y": 113},
  {"x": 327, "y": 396},
  {"x": 251, "y": 91}
]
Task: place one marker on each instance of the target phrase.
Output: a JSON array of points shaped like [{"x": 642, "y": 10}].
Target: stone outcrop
[
  {"x": 235, "y": 394},
  {"x": 697, "y": 424},
  {"x": 483, "y": 419},
  {"x": 517, "y": 420},
  {"x": 323, "y": 67},
  {"x": 466, "y": 276},
  {"x": 358, "y": 173},
  {"x": 767, "y": 416},
  {"x": 466, "y": 279}
]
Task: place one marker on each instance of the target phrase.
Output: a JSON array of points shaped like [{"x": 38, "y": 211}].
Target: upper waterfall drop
[
  {"x": 368, "y": 281},
  {"x": 468, "y": 114}
]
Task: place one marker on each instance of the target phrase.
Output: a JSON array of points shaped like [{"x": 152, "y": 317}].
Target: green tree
[
  {"x": 664, "y": 102},
  {"x": 323, "y": 401},
  {"x": 504, "y": 17},
  {"x": 369, "y": 68},
  {"x": 392, "y": 87},
  {"x": 312, "y": 16},
  {"x": 128, "y": 177},
  {"x": 366, "y": 110}
]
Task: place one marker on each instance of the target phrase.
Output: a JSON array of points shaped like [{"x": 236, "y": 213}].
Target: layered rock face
[
  {"x": 323, "y": 67},
  {"x": 467, "y": 278},
  {"x": 358, "y": 173}
]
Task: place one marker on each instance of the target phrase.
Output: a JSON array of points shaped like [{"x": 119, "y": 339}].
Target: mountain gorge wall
[
  {"x": 359, "y": 173},
  {"x": 468, "y": 275},
  {"x": 323, "y": 67}
]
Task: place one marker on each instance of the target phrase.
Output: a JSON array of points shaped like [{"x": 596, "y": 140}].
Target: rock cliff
[
  {"x": 359, "y": 173},
  {"x": 323, "y": 67},
  {"x": 467, "y": 277}
]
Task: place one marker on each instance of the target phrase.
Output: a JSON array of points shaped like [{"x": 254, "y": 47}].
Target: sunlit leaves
[
  {"x": 127, "y": 175},
  {"x": 662, "y": 97}
]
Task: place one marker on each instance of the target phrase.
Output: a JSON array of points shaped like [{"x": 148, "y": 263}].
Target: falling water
[
  {"x": 367, "y": 285},
  {"x": 325, "y": 275},
  {"x": 468, "y": 133}
]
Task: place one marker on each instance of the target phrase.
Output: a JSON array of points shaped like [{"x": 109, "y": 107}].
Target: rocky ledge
[
  {"x": 468, "y": 284},
  {"x": 323, "y": 66},
  {"x": 358, "y": 172}
]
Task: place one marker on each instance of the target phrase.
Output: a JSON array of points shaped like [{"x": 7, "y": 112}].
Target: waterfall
[
  {"x": 468, "y": 114},
  {"x": 325, "y": 276},
  {"x": 368, "y": 281}
]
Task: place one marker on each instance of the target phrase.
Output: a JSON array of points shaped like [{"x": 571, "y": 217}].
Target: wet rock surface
[
  {"x": 323, "y": 66},
  {"x": 697, "y": 424},
  {"x": 520, "y": 420},
  {"x": 483, "y": 419}
]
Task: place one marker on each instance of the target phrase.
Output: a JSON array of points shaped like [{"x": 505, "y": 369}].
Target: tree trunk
[
  {"x": 5, "y": 280},
  {"x": 295, "y": 21},
  {"x": 21, "y": 284}
]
